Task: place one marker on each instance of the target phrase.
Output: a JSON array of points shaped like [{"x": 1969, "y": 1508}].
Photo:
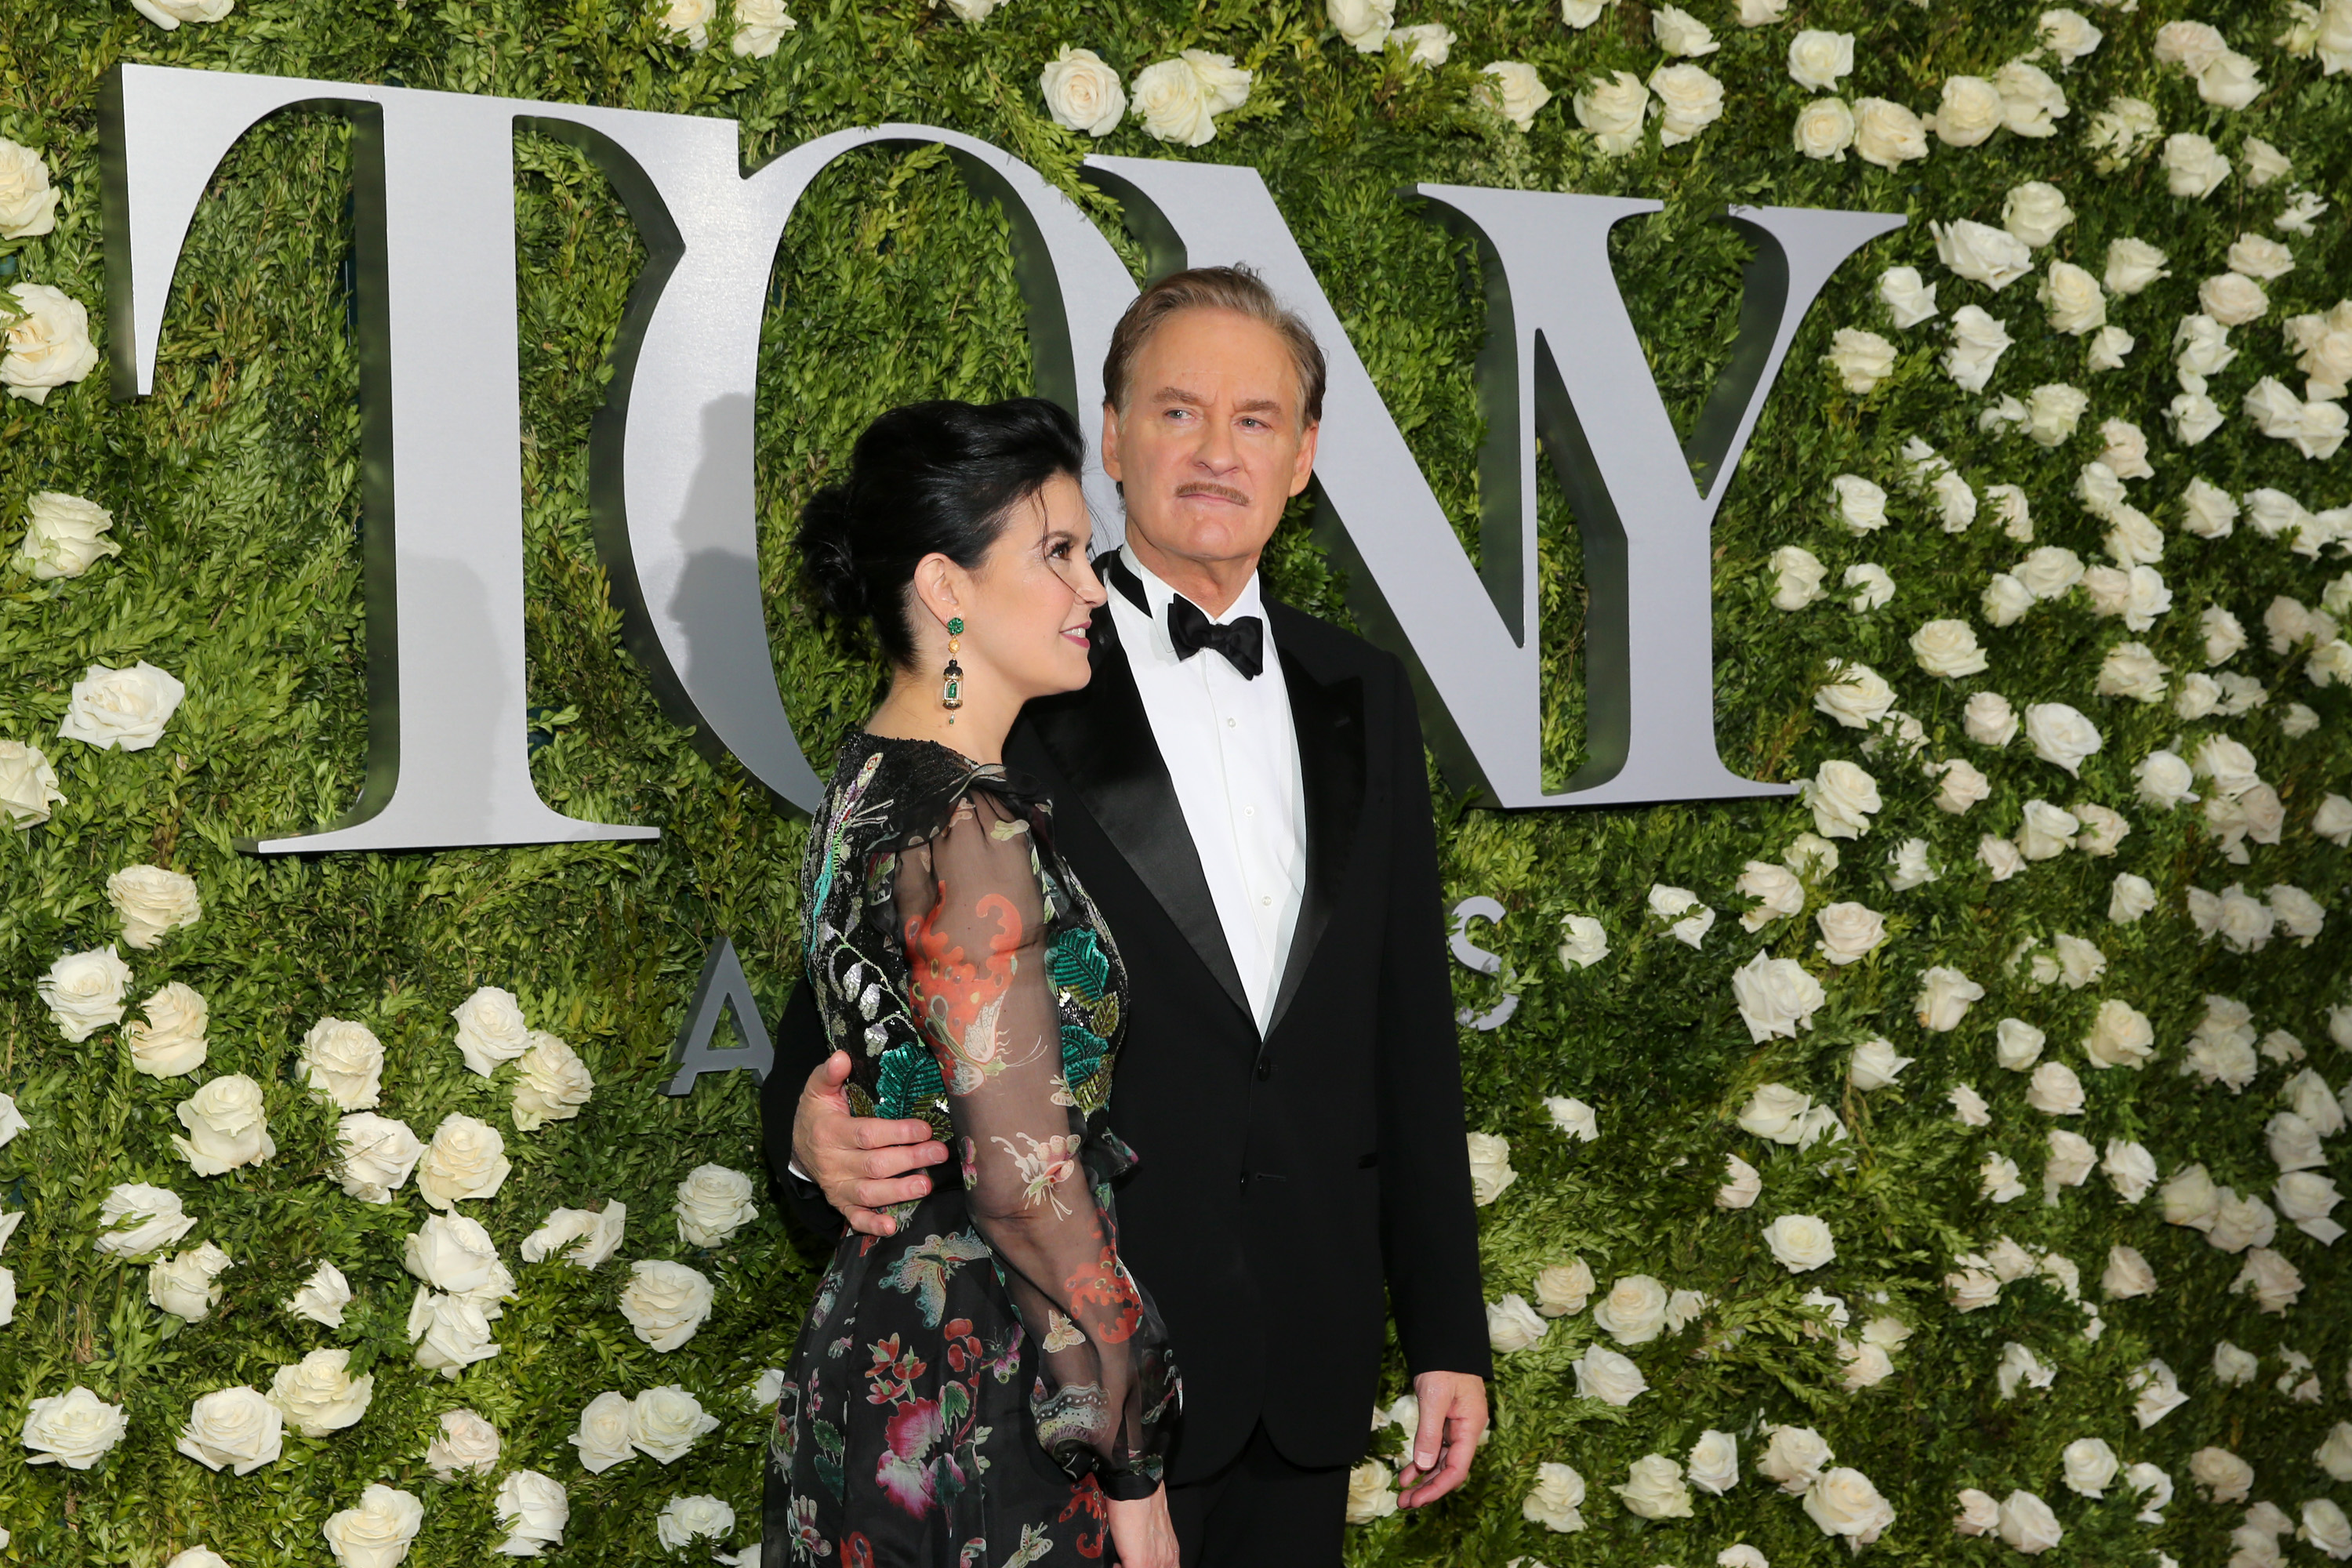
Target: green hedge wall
[{"x": 233, "y": 494}]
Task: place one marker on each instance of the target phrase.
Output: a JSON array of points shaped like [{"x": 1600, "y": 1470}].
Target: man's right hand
[{"x": 864, "y": 1163}]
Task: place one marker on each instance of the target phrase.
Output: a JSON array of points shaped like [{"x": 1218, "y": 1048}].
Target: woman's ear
[{"x": 939, "y": 587}]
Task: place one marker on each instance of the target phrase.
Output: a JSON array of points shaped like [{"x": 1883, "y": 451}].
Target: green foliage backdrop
[{"x": 234, "y": 493}]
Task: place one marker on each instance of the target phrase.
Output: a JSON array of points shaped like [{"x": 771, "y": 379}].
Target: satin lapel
[
  {"x": 1102, "y": 739},
  {"x": 1330, "y": 719}
]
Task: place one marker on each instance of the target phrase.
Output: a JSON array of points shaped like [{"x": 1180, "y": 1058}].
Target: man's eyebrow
[
  {"x": 1257, "y": 406},
  {"x": 1176, "y": 395}
]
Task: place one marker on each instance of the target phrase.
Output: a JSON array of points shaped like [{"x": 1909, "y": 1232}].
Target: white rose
[
  {"x": 1602, "y": 1374},
  {"x": 551, "y": 1083},
  {"x": 2126, "y": 450},
  {"x": 2335, "y": 1455},
  {"x": 2230, "y": 82},
  {"x": 1844, "y": 1502},
  {"x": 1513, "y": 1325},
  {"x": 2054, "y": 1090},
  {"x": 1557, "y": 1494},
  {"x": 2017, "y": 1045},
  {"x": 2191, "y": 46},
  {"x": 28, "y": 784},
  {"x": 454, "y": 1255},
  {"x": 1513, "y": 90},
  {"x": 74, "y": 1429},
  {"x": 318, "y": 1396},
  {"x": 378, "y": 1154},
  {"x": 1583, "y": 941},
  {"x": 586, "y": 1238},
  {"x": 713, "y": 1204},
  {"x": 1371, "y": 1493},
  {"x": 1963, "y": 786},
  {"x": 2224, "y": 1477},
  {"x": 2120, "y": 133},
  {"x": 2059, "y": 735},
  {"x": 2259, "y": 256},
  {"x": 2208, "y": 510},
  {"x": 759, "y": 26},
  {"x": 1817, "y": 60},
  {"x": 46, "y": 346},
  {"x": 2127, "y": 1274},
  {"x": 684, "y": 1518},
  {"x": 1777, "y": 1112},
  {"x": 1632, "y": 1313},
  {"x": 186, "y": 1284},
  {"x": 1668, "y": 902},
  {"x": 1947, "y": 648},
  {"x": 2295, "y": 1143},
  {"x": 28, "y": 202},
  {"x": 155, "y": 1215},
  {"x": 603, "y": 1438},
  {"x": 2333, "y": 820},
  {"x": 1908, "y": 865},
  {"x": 1762, "y": 13},
  {"x": 2052, "y": 411},
  {"x": 84, "y": 991},
  {"x": 1426, "y": 44},
  {"x": 1981, "y": 254},
  {"x": 1562, "y": 1290},
  {"x": 1364, "y": 24},
  {"x": 2027, "y": 1524},
  {"x": 62, "y": 532},
  {"x": 2306, "y": 1199},
  {"x": 1824, "y": 128},
  {"x": 2030, "y": 100},
  {"x": 1653, "y": 1488},
  {"x": 2190, "y": 1198},
  {"x": 2192, "y": 168},
  {"x": 1174, "y": 104},
  {"x": 2109, "y": 346},
  {"x": 665, "y": 1302},
  {"x": 1743, "y": 1185},
  {"x": 450, "y": 1332},
  {"x": 1875, "y": 587},
  {"x": 1972, "y": 1288},
  {"x": 535, "y": 1509},
  {"x": 690, "y": 20},
  {"x": 125, "y": 708},
  {"x": 2271, "y": 1280},
  {"x": 1850, "y": 933},
  {"x": 1775, "y": 996},
  {"x": 1714, "y": 1465},
  {"x": 2130, "y": 670},
  {"x": 2325, "y": 1527},
  {"x": 1794, "y": 1457},
  {"x": 2069, "y": 34},
  {"x": 169, "y": 14},
  {"x": 2120, "y": 1036},
  {"x": 1909, "y": 300},
  {"x": 1812, "y": 857},
  {"x": 2000, "y": 857},
  {"x": 377, "y": 1533},
  {"x": 2073, "y": 297},
  {"x": 1572, "y": 1117},
  {"x": 2233, "y": 299},
  {"x": 171, "y": 1043},
  {"x": 1887, "y": 134},
  {"x": 491, "y": 1029},
  {"x": 323, "y": 1297},
  {"x": 2264, "y": 162},
  {"x": 1610, "y": 109},
  {"x": 664, "y": 1423},
  {"x": 1989, "y": 719},
  {"x": 1679, "y": 33},
  {"x": 1944, "y": 995},
  {"x": 1979, "y": 1515},
  {"x": 1490, "y": 1167},
  {"x": 1969, "y": 112},
  {"x": 1082, "y": 93},
  {"x": 2201, "y": 348},
  {"x": 1855, "y": 697},
  {"x": 466, "y": 1159},
  {"x": 233, "y": 1428},
  {"x": 2089, "y": 1466},
  {"x": 227, "y": 1124},
  {"x": 1797, "y": 576},
  {"x": 2036, "y": 212},
  {"x": 1800, "y": 1242},
  {"x": 1689, "y": 99},
  {"x": 2133, "y": 265},
  {"x": 1875, "y": 1065},
  {"x": 343, "y": 1061}
]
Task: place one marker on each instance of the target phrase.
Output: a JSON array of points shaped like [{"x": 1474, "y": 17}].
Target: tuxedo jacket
[{"x": 1283, "y": 1182}]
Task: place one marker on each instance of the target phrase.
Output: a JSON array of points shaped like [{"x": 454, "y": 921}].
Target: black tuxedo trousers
[{"x": 1293, "y": 1189}]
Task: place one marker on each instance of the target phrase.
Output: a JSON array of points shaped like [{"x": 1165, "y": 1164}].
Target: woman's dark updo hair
[{"x": 940, "y": 476}]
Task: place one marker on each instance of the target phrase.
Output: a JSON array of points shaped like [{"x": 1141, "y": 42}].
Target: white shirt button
[
  {"x": 1265, "y": 898},
  {"x": 1249, "y": 811},
  {"x": 1229, "y": 723}
]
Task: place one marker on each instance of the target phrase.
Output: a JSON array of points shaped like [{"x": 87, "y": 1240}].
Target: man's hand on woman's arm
[
  {"x": 863, "y": 1163},
  {"x": 1452, "y": 1414}
]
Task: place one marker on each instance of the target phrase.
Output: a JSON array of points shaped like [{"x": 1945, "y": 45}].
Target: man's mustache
[{"x": 1203, "y": 488}]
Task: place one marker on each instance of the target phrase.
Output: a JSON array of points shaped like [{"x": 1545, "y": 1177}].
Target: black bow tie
[{"x": 1241, "y": 640}]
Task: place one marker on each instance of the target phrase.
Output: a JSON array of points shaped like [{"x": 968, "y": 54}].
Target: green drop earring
[{"x": 951, "y": 685}]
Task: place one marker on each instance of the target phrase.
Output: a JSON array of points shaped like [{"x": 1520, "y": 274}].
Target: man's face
[{"x": 1212, "y": 441}]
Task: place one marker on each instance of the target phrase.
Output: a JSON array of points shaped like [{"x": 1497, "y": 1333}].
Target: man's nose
[{"x": 1216, "y": 450}]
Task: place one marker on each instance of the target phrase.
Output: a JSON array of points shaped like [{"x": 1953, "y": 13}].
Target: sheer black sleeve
[{"x": 973, "y": 910}]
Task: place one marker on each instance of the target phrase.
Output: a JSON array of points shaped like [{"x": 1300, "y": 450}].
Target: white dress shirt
[{"x": 1232, "y": 752}]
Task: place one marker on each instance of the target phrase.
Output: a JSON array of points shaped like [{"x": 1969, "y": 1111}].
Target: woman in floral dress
[{"x": 987, "y": 1386}]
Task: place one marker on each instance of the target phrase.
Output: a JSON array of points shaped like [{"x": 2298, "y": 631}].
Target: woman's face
[{"x": 1032, "y": 597}]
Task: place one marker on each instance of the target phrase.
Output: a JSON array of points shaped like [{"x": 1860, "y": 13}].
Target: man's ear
[
  {"x": 1111, "y": 441},
  {"x": 1303, "y": 468}
]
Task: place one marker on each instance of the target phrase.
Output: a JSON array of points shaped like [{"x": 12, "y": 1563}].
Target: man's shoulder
[{"x": 1330, "y": 651}]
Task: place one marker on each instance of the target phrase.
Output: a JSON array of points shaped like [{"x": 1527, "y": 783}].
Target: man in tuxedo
[{"x": 1242, "y": 789}]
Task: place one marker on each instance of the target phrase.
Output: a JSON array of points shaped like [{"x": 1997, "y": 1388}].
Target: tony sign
[{"x": 671, "y": 463}]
